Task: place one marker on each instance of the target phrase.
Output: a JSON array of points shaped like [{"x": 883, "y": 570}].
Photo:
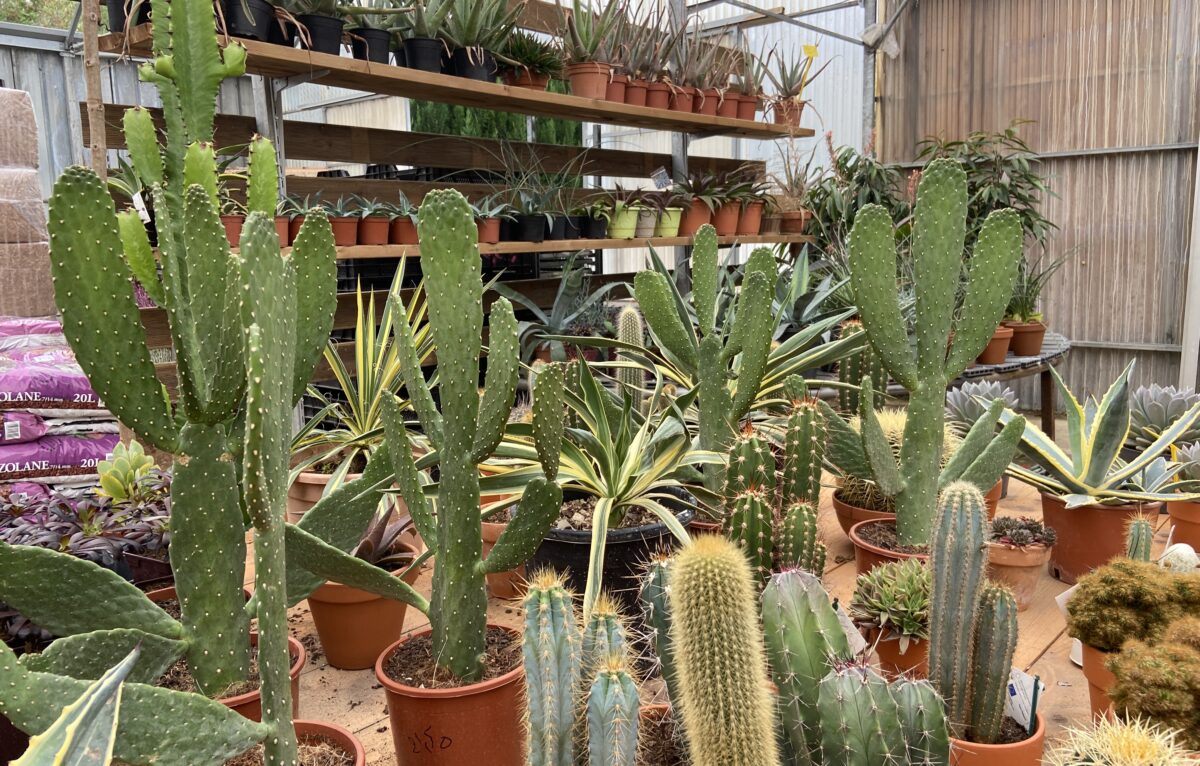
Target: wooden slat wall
[{"x": 1095, "y": 75}]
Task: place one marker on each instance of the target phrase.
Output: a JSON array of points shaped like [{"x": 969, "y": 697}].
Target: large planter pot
[
  {"x": 668, "y": 222},
  {"x": 1027, "y": 338},
  {"x": 251, "y": 19},
  {"x": 615, "y": 90},
  {"x": 625, "y": 556},
  {"x": 624, "y": 222},
  {"x": 725, "y": 219},
  {"x": 306, "y": 491},
  {"x": 1185, "y": 516},
  {"x": 402, "y": 231},
  {"x": 788, "y": 112},
  {"x": 635, "y": 92},
  {"x": 309, "y": 731},
  {"x": 658, "y": 95},
  {"x": 1099, "y": 678},
  {"x": 647, "y": 222},
  {"x": 345, "y": 231},
  {"x": 489, "y": 230},
  {"x": 794, "y": 221},
  {"x": 478, "y": 723},
  {"x": 373, "y": 230},
  {"x": 324, "y": 32},
  {"x": 424, "y": 53},
  {"x": 1018, "y": 568},
  {"x": 355, "y": 626},
  {"x": 1088, "y": 536},
  {"x": 913, "y": 663},
  {"x": 694, "y": 216},
  {"x": 501, "y": 584},
  {"x": 1027, "y": 752},
  {"x": 867, "y": 556},
  {"x": 589, "y": 79},
  {"x": 750, "y": 220},
  {"x": 997, "y": 348},
  {"x": 374, "y": 45}
]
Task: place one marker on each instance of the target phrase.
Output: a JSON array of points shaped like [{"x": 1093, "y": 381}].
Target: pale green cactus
[
  {"x": 1139, "y": 536},
  {"x": 612, "y": 714},
  {"x": 631, "y": 330},
  {"x": 552, "y": 656},
  {"x": 657, "y": 609}
]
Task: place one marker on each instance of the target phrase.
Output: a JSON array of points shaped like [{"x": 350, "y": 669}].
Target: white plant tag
[
  {"x": 661, "y": 178},
  {"x": 139, "y": 205},
  {"x": 1024, "y": 695}
]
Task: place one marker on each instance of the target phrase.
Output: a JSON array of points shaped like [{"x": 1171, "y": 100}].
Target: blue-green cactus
[
  {"x": 612, "y": 714},
  {"x": 552, "y": 657},
  {"x": 657, "y": 608}
]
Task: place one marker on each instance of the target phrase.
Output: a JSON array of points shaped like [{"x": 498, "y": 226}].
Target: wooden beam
[{"x": 370, "y": 252}]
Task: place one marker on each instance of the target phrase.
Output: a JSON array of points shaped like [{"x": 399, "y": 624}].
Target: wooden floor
[{"x": 355, "y": 700}]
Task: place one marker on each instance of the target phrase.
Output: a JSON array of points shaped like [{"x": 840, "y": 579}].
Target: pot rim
[
  {"x": 1147, "y": 506},
  {"x": 628, "y": 534},
  {"x": 1023, "y": 326},
  {"x": 858, "y": 541},
  {"x": 395, "y": 687},
  {"x": 1039, "y": 734},
  {"x": 341, "y": 735}
]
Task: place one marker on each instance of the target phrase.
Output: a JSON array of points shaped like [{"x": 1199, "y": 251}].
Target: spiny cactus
[
  {"x": 797, "y": 542},
  {"x": 972, "y": 626},
  {"x": 861, "y": 721},
  {"x": 657, "y": 609},
  {"x": 604, "y": 634},
  {"x": 751, "y": 466},
  {"x": 723, "y": 696},
  {"x": 750, "y": 524},
  {"x": 552, "y": 652},
  {"x": 1159, "y": 681},
  {"x": 859, "y": 487},
  {"x": 1127, "y": 599},
  {"x": 1139, "y": 537},
  {"x": 612, "y": 714},
  {"x": 924, "y": 721},
  {"x": 938, "y": 357},
  {"x": 803, "y": 446},
  {"x": 862, "y": 365},
  {"x": 631, "y": 330},
  {"x": 1121, "y": 742}
]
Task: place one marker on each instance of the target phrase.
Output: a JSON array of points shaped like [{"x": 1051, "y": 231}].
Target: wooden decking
[{"x": 355, "y": 700}]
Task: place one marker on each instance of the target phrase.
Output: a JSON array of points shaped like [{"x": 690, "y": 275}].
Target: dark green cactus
[
  {"x": 995, "y": 644},
  {"x": 658, "y": 621},
  {"x": 552, "y": 653},
  {"x": 751, "y": 525},
  {"x": 1139, "y": 536},
  {"x": 924, "y": 721},
  {"x": 803, "y": 446},
  {"x": 612, "y": 714},
  {"x": 862, "y": 365},
  {"x": 797, "y": 542},
  {"x": 751, "y": 466},
  {"x": 860, "y": 720}
]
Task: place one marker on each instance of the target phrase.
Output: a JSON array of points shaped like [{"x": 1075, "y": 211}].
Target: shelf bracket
[{"x": 283, "y": 83}]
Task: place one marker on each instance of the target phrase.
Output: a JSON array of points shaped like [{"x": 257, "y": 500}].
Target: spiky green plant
[
  {"x": 943, "y": 348},
  {"x": 862, "y": 365},
  {"x": 1126, "y": 600},
  {"x": 632, "y": 331},
  {"x": 552, "y": 664},
  {"x": 1139, "y": 536},
  {"x": 612, "y": 714},
  {"x": 1121, "y": 742},
  {"x": 894, "y": 598},
  {"x": 797, "y": 540},
  {"x": 657, "y": 610}
]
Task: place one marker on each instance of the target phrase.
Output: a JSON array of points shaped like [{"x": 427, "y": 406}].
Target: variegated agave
[
  {"x": 1153, "y": 409},
  {"x": 1093, "y": 472}
]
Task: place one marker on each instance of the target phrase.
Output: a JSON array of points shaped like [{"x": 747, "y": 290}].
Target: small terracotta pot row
[
  {"x": 597, "y": 80},
  {"x": 730, "y": 219},
  {"x": 1021, "y": 338}
]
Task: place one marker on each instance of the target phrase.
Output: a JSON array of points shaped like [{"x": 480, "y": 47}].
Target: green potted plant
[
  {"x": 641, "y": 40},
  {"x": 790, "y": 76},
  {"x": 473, "y": 29},
  {"x": 625, "y": 210},
  {"x": 322, "y": 22},
  {"x": 583, "y": 30},
  {"x": 489, "y": 212},
  {"x": 420, "y": 29},
  {"x": 700, "y": 193},
  {"x": 891, "y": 606},
  {"x": 403, "y": 228},
  {"x": 371, "y": 28},
  {"x": 374, "y": 221},
  {"x": 1089, "y": 494},
  {"x": 1018, "y": 550},
  {"x": 233, "y": 215},
  {"x": 790, "y": 190},
  {"x": 732, "y": 188},
  {"x": 753, "y": 202},
  {"x": 343, "y": 217},
  {"x": 1024, "y": 313},
  {"x": 750, "y": 75},
  {"x": 529, "y": 62},
  {"x": 669, "y": 212}
]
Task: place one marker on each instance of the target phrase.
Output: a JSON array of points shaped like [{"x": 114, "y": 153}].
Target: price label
[{"x": 661, "y": 178}]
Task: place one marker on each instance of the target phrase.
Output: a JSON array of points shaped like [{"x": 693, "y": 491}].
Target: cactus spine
[
  {"x": 552, "y": 651},
  {"x": 924, "y": 722},
  {"x": 612, "y": 715},
  {"x": 1139, "y": 537},
  {"x": 804, "y": 446},
  {"x": 797, "y": 543},
  {"x": 961, "y": 609},
  {"x": 862, "y": 365},
  {"x": 631, "y": 330},
  {"x": 724, "y": 701},
  {"x": 750, "y": 524},
  {"x": 861, "y": 721}
]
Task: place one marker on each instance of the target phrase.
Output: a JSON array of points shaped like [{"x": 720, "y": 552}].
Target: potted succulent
[
  {"x": 324, "y": 24},
  {"x": 754, "y": 202},
  {"x": 667, "y": 205},
  {"x": 299, "y": 207},
  {"x": 584, "y": 30},
  {"x": 700, "y": 193},
  {"x": 733, "y": 187},
  {"x": 371, "y": 30},
  {"x": 403, "y": 229},
  {"x": 343, "y": 217},
  {"x": 790, "y": 76},
  {"x": 1018, "y": 550},
  {"x": 891, "y": 606},
  {"x": 751, "y": 73},
  {"x": 1151, "y": 681},
  {"x": 528, "y": 61},
  {"x": 233, "y": 215},
  {"x": 421, "y": 29},
  {"x": 791, "y": 189},
  {"x": 374, "y": 221},
  {"x": 288, "y": 208},
  {"x": 243, "y": 18},
  {"x": 623, "y": 220},
  {"x": 489, "y": 212},
  {"x": 596, "y": 215},
  {"x": 1121, "y": 742},
  {"x": 1024, "y": 313},
  {"x": 1090, "y": 494},
  {"x": 474, "y": 28},
  {"x": 1153, "y": 409},
  {"x": 1185, "y": 514}
]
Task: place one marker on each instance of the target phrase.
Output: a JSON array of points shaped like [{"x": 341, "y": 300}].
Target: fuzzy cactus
[
  {"x": 631, "y": 330},
  {"x": 612, "y": 714},
  {"x": 1160, "y": 681},
  {"x": 862, "y": 365},
  {"x": 1126, "y": 599},
  {"x": 724, "y": 701},
  {"x": 1139, "y": 537},
  {"x": 943, "y": 345},
  {"x": 657, "y": 609},
  {"x": 797, "y": 542},
  {"x": 552, "y": 652}
]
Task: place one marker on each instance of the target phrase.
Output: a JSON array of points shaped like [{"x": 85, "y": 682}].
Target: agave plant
[
  {"x": 1152, "y": 410},
  {"x": 1092, "y": 472},
  {"x": 479, "y": 25},
  {"x": 791, "y": 75},
  {"x": 584, "y": 29}
]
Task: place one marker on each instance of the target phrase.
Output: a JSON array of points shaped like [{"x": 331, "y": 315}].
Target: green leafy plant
[
  {"x": 370, "y": 208},
  {"x": 342, "y": 207},
  {"x": 1032, "y": 278},
  {"x": 526, "y": 52},
  {"x": 424, "y": 18},
  {"x": 791, "y": 74},
  {"x": 893, "y": 599},
  {"x": 123, "y": 474},
  {"x": 851, "y": 181},
  {"x": 371, "y": 14},
  {"x": 584, "y": 29},
  {"x": 479, "y": 25}
]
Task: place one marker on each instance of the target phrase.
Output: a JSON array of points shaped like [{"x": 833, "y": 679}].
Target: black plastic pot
[
  {"x": 400, "y": 56},
  {"x": 595, "y": 228},
  {"x": 282, "y": 33},
  {"x": 530, "y": 228},
  {"x": 424, "y": 53},
  {"x": 625, "y": 555},
  {"x": 249, "y": 18},
  {"x": 371, "y": 44},
  {"x": 473, "y": 64},
  {"x": 574, "y": 226},
  {"x": 558, "y": 228},
  {"x": 325, "y": 32},
  {"x": 117, "y": 14},
  {"x": 507, "y": 229}
]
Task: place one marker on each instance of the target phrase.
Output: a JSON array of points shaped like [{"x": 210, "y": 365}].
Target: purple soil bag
[
  {"x": 47, "y": 376},
  {"x": 20, "y": 332},
  {"x": 55, "y": 455},
  {"x": 20, "y": 427}
]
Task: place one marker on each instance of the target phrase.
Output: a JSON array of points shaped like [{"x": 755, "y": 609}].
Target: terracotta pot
[
  {"x": 1185, "y": 516},
  {"x": 508, "y": 584},
  {"x": 725, "y": 219},
  {"x": 997, "y": 348},
  {"x": 477, "y": 723},
  {"x": 694, "y": 216},
  {"x": 788, "y": 112},
  {"x": 708, "y": 102},
  {"x": 727, "y": 105},
  {"x": 307, "y": 731},
  {"x": 525, "y": 79},
  {"x": 1100, "y": 679},
  {"x": 489, "y": 230},
  {"x": 1088, "y": 536},
  {"x": 249, "y": 705},
  {"x": 747, "y": 107},
  {"x": 794, "y": 221},
  {"x": 1025, "y": 753},
  {"x": 683, "y": 99},
  {"x": 868, "y": 556},
  {"x": 771, "y": 224},
  {"x": 750, "y": 221},
  {"x": 345, "y": 231},
  {"x": 373, "y": 230},
  {"x": 848, "y": 515},
  {"x": 635, "y": 92},
  {"x": 589, "y": 79},
  {"x": 699, "y": 526},
  {"x": 1018, "y": 568},
  {"x": 914, "y": 663},
  {"x": 283, "y": 226},
  {"x": 991, "y": 499},
  {"x": 355, "y": 626},
  {"x": 1027, "y": 338},
  {"x": 294, "y": 227},
  {"x": 306, "y": 491},
  {"x": 233, "y": 228},
  {"x": 403, "y": 231},
  {"x": 658, "y": 95},
  {"x": 615, "y": 90}
]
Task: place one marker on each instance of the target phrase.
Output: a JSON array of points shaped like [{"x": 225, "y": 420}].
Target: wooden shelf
[
  {"x": 366, "y": 252},
  {"x": 325, "y": 69}
]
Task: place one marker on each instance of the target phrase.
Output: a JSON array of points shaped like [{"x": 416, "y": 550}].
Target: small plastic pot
[
  {"x": 402, "y": 231},
  {"x": 368, "y": 44},
  {"x": 531, "y": 228},
  {"x": 696, "y": 215},
  {"x": 507, "y": 585},
  {"x": 373, "y": 230},
  {"x": 624, "y": 222},
  {"x": 647, "y": 222},
  {"x": 294, "y": 227},
  {"x": 523, "y": 78},
  {"x": 233, "y": 228},
  {"x": 668, "y": 222},
  {"x": 788, "y": 112},
  {"x": 750, "y": 220},
  {"x": 707, "y": 102},
  {"x": 635, "y": 92},
  {"x": 324, "y": 32},
  {"x": 558, "y": 228},
  {"x": 615, "y": 90},
  {"x": 589, "y": 79},
  {"x": 251, "y": 19},
  {"x": 489, "y": 230},
  {"x": 658, "y": 95},
  {"x": 683, "y": 99},
  {"x": 913, "y": 663},
  {"x": 424, "y": 53},
  {"x": 283, "y": 229},
  {"x": 574, "y": 226},
  {"x": 473, "y": 64},
  {"x": 747, "y": 107},
  {"x": 595, "y": 227},
  {"x": 345, "y": 230},
  {"x": 725, "y": 219}
]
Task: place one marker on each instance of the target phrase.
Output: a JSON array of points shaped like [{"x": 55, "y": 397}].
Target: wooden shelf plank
[
  {"x": 367, "y": 252},
  {"x": 338, "y": 71}
]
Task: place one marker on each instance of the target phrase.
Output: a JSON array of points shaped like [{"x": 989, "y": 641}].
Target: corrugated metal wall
[{"x": 1114, "y": 89}]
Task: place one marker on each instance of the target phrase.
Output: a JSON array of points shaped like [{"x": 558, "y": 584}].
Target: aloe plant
[{"x": 584, "y": 29}]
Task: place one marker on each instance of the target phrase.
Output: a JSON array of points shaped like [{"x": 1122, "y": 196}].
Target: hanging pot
[
  {"x": 589, "y": 79},
  {"x": 369, "y": 44},
  {"x": 750, "y": 221},
  {"x": 324, "y": 32},
  {"x": 424, "y": 53},
  {"x": 373, "y": 230},
  {"x": 635, "y": 92},
  {"x": 251, "y": 19}
]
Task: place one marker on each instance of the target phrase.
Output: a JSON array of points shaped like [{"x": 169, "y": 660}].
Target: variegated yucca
[{"x": 1092, "y": 471}]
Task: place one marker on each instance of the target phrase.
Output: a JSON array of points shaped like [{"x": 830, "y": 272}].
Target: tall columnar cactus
[
  {"x": 924, "y": 720},
  {"x": 803, "y": 445},
  {"x": 631, "y": 330},
  {"x": 552, "y": 652},
  {"x": 727, "y": 363},
  {"x": 943, "y": 348},
  {"x": 862, "y": 365},
  {"x": 797, "y": 542},
  {"x": 723, "y": 696},
  {"x": 612, "y": 714},
  {"x": 657, "y": 609},
  {"x": 972, "y": 626},
  {"x": 751, "y": 524},
  {"x": 464, "y": 431},
  {"x": 751, "y": 466},
  {"x": 1139, "y": 536},
  {"x": 604, "y": 634}
]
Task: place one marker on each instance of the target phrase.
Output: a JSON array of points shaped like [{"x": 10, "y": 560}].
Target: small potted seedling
[
  {"x": 343, "y": 217},
  {"x": 374, "y": 221}
]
